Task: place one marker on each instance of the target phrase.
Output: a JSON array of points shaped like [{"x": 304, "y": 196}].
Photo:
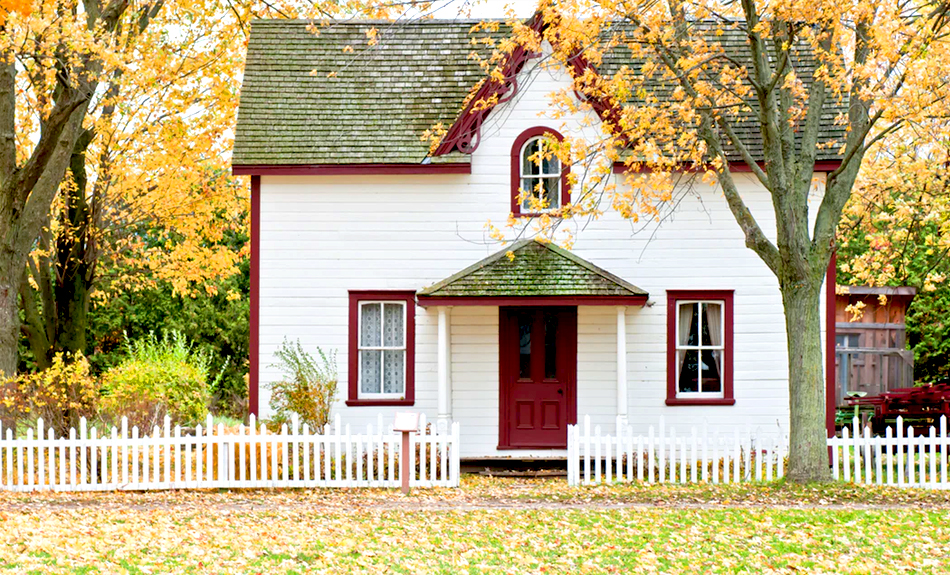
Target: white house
[{"x": 366, "y": 243}]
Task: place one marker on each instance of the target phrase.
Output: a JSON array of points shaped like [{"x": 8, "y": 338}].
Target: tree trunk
[
  {"x": 73, "y": 273},
  {"x": 808, "y": 451},
  {"x": 10, "y": 272}
]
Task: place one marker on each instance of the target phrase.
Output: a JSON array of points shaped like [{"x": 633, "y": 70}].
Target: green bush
[
  {"x": 308, "y": 388},
  {"x": 159, "y": 377}
]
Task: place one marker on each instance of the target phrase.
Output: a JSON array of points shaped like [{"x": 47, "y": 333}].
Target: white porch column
[
  {"x": 444, "y": 371},
  {"x": 621, "y": 368}
]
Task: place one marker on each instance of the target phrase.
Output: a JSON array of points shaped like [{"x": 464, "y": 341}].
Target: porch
[{"x": 526, "y": 338}]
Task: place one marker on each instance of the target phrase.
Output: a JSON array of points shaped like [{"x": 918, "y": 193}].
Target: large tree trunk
[
  {"x": 73, "y": 247},
  {"x": 10, "y": 273},
  {"x": 808, "y": 451}
]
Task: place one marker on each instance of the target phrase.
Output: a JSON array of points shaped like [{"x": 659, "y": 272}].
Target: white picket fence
[
  {"x": 894, "y": 459},
  {"x": 665, "y": 456},
  {"x": 218, "y": 457}
]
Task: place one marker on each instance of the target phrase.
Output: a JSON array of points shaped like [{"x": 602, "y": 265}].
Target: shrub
[
  {"x": 159, "y": 377},
  {"x": 61, "y": 395},
  {"x": 308, "y": 388}
]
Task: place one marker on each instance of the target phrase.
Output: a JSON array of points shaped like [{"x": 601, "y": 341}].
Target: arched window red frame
[{"x": 520, "y": 141}]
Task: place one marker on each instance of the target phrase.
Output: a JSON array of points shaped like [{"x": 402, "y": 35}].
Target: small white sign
[{"x": 406, "y": 421}]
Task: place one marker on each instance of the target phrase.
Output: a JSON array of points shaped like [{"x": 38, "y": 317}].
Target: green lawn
[{"x": 488, "y": 526}]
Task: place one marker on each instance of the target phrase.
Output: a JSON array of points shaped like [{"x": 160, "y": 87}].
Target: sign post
[{"x": 406, "y": 423}]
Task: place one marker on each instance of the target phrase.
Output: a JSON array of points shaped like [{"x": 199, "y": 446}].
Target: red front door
[{"x": 538, "y": 357}]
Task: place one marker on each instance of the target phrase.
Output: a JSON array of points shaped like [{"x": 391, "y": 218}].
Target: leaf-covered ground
[{"x": 490, "y": 525}]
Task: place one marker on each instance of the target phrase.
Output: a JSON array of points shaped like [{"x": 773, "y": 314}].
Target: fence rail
[
  {"x": 898, "y": 458},
  {"x": 664, "y": 456},
  {"x": 219, "y": 457}
]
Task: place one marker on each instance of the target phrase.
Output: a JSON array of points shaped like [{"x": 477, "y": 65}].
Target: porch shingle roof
[{"x": 537, "y": 270}]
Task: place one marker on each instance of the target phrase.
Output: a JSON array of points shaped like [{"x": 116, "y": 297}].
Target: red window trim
[
  {"x": 356, "y": 296},
  {"x": 672, "y": 297},
  {"x": 516, "y": 169}
]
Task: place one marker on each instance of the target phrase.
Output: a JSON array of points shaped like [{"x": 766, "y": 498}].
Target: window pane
[
  {"x": 712, "y": 324},
  {"x": 528, "y": 165},
  {"x": 688, "y": 324},
  {"x": 689, "y": 368},
  {"x": 712, "y": 371},
  {"x": 529, "y": 187},
  {"x": 550, "y": 345},
  {"x": 394, "y": 378},
  {"x": 551, "y": 165},
  {"x": 369, "y": 325},
  {"x": 552, "y": 192},
  {"x": 393, "y": 328},
  {"x": 524, "y": 342},
  {"x": 369, "y": 371}
]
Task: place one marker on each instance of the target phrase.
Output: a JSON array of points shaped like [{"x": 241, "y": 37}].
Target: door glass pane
[
  {"x": 393, "y": 328},
  {"x": 369, "y": 371},
  {"x": 394, "y": 372},
  {"x": 688, "y": 362},
  {"x": 712, "y": 371},
  {"x": 550, "y": 345},
  {"x": 370, "y": 325},
  {"x": 524, "y": 345}
]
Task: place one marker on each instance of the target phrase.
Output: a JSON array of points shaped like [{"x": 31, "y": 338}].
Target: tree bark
[
  {"x": 9, "y": 313},
  {"x": 808, "y": 451}
]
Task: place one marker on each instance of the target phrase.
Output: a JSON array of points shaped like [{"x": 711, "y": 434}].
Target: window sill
[
  {"x": 701, "y": 401},
  {"x": 379, "y": 402},
  {"x": 551, "y": 214}
]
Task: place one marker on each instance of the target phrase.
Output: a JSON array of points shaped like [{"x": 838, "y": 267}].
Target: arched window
[{"x": 538, "y": 179}]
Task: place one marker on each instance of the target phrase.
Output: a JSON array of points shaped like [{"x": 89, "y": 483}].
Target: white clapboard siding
[
  {"x": 897, "y": 458},
  {"x": 670, "y": 455},
  {"x": 215, "y": 457}
]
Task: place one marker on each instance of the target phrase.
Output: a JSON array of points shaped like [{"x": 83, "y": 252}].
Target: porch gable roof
[{"x": 538, "y": 274}]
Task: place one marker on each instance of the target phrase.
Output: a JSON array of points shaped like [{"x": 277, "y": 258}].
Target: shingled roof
[
  {"x": 536, "y": 270},
  {"x": 308, "y": 100},
  {"x": 374, "y": 108}
]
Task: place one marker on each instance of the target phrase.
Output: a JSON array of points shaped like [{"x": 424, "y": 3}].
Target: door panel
[{"x": 538, "y": 369}]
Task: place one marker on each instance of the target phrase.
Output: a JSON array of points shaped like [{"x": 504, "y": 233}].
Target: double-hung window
[
  {"x": 699, "y": 347},
  {"x": 382, "y": 326}
]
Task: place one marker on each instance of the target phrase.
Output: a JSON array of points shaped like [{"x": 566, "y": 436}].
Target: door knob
[{"x": 560, "y": 392}]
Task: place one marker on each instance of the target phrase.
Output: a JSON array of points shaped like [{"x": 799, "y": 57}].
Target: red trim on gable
[
  {"x": 353, "y": 384},
  {"x": 516, "y": 169},
  {"x": 673, "y": 296},
  {"x": 351, "y": 169},
  {"x": 826, "y": 166},
  {"x": 464, "y": 134},
  {"x": 830, "y": 344},
  {"x": 254, "y": 358},
  {"x": 426, "y": 301}
]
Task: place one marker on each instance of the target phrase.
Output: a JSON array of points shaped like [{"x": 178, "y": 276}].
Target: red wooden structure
[{"x": 919, "y": 406}]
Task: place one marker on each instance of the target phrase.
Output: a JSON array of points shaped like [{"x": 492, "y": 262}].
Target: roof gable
[{"x": 537, "y": 270}]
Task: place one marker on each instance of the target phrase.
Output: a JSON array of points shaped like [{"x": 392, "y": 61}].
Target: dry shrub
[
  {"x": 308, "y": 388},
  {"x": 61, "y": 395}
]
